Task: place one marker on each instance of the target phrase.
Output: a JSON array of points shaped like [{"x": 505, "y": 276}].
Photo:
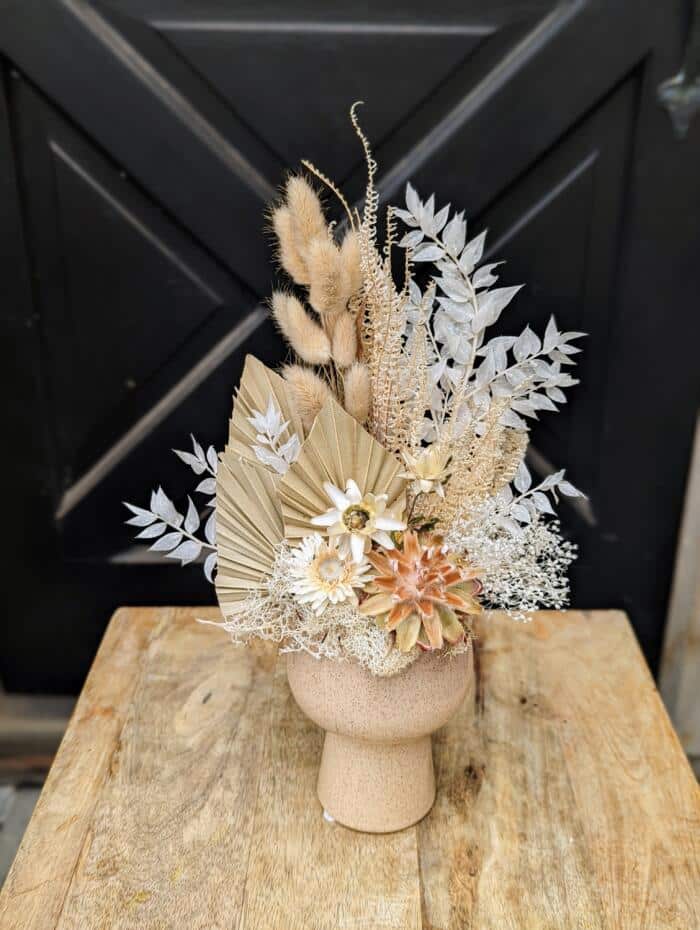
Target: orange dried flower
[{"x": 419, "y": 592}]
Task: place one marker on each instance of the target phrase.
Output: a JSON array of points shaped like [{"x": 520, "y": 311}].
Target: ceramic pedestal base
[
  {"x": 355, "y": 768},
  {"x": 376, "y": 771}
]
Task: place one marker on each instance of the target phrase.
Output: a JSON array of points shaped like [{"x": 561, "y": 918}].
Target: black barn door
[{"x": 140, "y": 141}]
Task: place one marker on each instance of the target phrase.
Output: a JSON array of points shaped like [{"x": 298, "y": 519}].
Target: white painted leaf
[
  {"x": 484, "y": 276},
  {"x": 541, "y": 501},
  {"x": 412, "y": 200},
  {"x": 471, "y": 256},
  {"x": 187, "y": 552},
  {"x": 520, "y": 513},
  {"x": 210, "y": 529},
  {"x": 290, "y": 449},
  {"x": 492, "y": 304},
  {"x": 198, "y": 450},
  {"x": 155, "y": 529},
  {"x": 207, "y": 486},
  {"x": 509, "y": 525},
  {"x": 405, "y": 217},
  {"x": 511, "y": 418},
  {"x": 552, "y": 480},
  {"x": 569, "y": 490},
  {"x": 523, "y": 478},
  {"x": 551, "y": 336},
  {"x": 485, "y": 372},
  {"x": 213, "y": 459},
  {"x": 440, "y": 219},
  {"x": 427, "y": 253},
  {"x": 191, "y": 460},
  {"x": 412, "y": 239},
  {"x": 426, "y": 215},
  {"x": 164, "y": 508},
  {"x": 142, "y": 518},
  {"x": 527, "y": 344},
  {"x": 455, "y": 234},
  {"x": 192, "y": 518},
  {"x": 209, "y": 566},
  {"x": 555, "y": 394},
  {"x": 540, "y": 402},
  {"x": 569, "y": 350},
  {"x": 167, "y": 542}
]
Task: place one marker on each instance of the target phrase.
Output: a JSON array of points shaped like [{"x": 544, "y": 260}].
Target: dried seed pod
[
  {"x": 357, "y": 392},
  {"x": 288, "y": 253},
  {"x": 308, "y": 392},
  {"x": 304, "y": 335},
  {"x": 344, "y": 340},
  {"x": 327, "y": 291}
]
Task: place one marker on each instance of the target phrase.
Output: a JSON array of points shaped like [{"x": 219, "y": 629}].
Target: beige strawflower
[{"x": 321, "y": 574}]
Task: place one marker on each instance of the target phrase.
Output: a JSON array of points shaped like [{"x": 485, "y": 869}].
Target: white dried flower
[
  {"x": 320, "y": 574},
  {"x": 356, "y": 519}
]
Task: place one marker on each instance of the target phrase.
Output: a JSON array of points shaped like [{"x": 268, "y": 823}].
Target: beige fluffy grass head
[
  {"x": 304, "y": 335},
  {"x": 356, "y": 386},
  {"x": 328, "y": 292},
  {"x": 344, "y": 340},
  {"x": 308, "y": 391},
  {"x": 350, "y": 261},
  {"x": 307, "y": 214},
  {"x": 288, "y": 253}
]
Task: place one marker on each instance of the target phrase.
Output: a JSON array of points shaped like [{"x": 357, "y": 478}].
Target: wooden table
[{"x": 183, "y": 796}]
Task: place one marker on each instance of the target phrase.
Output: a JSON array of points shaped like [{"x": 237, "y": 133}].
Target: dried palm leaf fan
[
  {"x": 248, "y": 527},
  {"x": 258, "y": 384},
  {"x": 336, "y": 449}
]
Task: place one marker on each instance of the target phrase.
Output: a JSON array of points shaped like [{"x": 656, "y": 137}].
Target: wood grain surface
[{"x": 183, "y": 796}]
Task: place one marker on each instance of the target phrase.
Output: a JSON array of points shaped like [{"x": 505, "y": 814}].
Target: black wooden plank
[{"x": 212, "y": 182}]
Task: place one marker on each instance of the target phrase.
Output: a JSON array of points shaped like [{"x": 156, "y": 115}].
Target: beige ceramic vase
[{"x": 376, "y": 771}]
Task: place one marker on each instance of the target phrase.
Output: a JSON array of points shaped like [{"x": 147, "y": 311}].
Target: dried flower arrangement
[{"x": 373, "y": 494}]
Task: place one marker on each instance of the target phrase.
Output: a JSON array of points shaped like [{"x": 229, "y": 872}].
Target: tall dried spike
[
  {"x": 288, "y": 254},
  {"x": 305, "y": 336},
  {"x": 369, "y": 216},
  {"x": 357, "y": 395},
  {"x": 308, "y": 392},
  {"x": 344, "y": 340}
]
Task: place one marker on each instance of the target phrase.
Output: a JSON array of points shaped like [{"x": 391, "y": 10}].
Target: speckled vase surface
[{"x": 376, "y": 771}]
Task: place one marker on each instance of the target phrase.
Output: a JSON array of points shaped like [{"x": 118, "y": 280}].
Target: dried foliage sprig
[{"x": 180, "y": 542}]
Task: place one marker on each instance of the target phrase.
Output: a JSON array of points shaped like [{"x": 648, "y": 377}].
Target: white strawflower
[
  {"x": 320, "y": 573},
  {"x": 355, "y": 520}
]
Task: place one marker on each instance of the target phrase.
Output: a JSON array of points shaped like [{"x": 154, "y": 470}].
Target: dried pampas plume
[
  {"x": 309, "y": 392},
  {"x": 344, "y": 340},
  {"x": 304, "y": 335},
  {"x": 357, "y": 391},
  {"x": 328, "y": 292}
]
